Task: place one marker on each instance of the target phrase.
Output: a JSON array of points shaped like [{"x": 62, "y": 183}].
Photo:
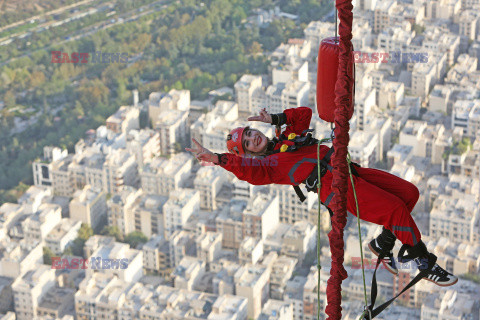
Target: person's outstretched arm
[
  {"x": 296, "y": 119},
  {"x": 254, "y": 171}
]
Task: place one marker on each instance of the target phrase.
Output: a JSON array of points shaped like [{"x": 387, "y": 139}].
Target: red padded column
[{"x": 327, "y": 77}]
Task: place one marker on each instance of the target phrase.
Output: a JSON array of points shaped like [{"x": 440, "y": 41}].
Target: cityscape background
[{"x": 93, "y": 167}]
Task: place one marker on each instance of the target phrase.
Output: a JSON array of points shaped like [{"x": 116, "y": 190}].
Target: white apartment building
[
  {"x": 299, "y": 240},
  {"x": 250, "y": 251},
  {"x": 395, "y": 39},
  {"x": 465, "y": 66},
  {"x": 19, "y": 257},
  {"x": 381, "y": 125},
  {"x": 390, "y": 94},
  {"x": 57, "y": 303},
  {"x": 455, "y": 218},
  {"x": 33, "y": 198},
  {"x": 42, "y": 168},
  {"x": 412, "y": 133},
  {"x": 88, "y": 206},
  {"x": 448, "y": 304},
  {"x": 11, "y": 213},
  {"x": 162, "y": 176},
  {"x": 282, "y": 271},
  {"x": 366, "y": 103},
  {"x": 382, "y": 15},
  {"x": 291, "y": 208},
  {"x": 442, "y": 9},
  {"x": 208, "y": 182},
  {"x": 29, "y": 289},
  {"x": 244, "y": 91},
  {"x": 229, "y": 307},
  {"x": 182, "y": 243},
  {"x": 61, "y": 182},
  {"x": 466, "y": 115},
  {"x": 159, "y": 102},
  {"x": 172, "y": 126},
  {"x": 440, "y": 99},
  {"x": 209, "y": 247},
  {"x": 289, "y": 68},
  {"x": 295, "y": 94},
  {"x": 251, "y": 282},
  {"x": 261, "y": 216},
  {"x": 179, "y": 207},
  {"x": 147, "y": 214},
  {"x": 124, "y": 119},
  {"x": 468, "y": 21},
  {"x": 121, "y": 209},
  {"x": 423, "y": 78},
  {"x": 363, "y": 148},
  {"x": 62, "y": 235},
  {"x": 37, "y": 226},
  {"x": 144, "y": 144},
  {"x": 188, "y": 273},
  {"x": 277, "y": 310},
  {"x": 230, "y": 223},
  {"x": 120, "y": 169},
  {"x": 437, "y": 41},
  {"x": 100, "y": 296},
  {"x": 156, "y": 256},
  {"x": 116, "y": 259},
  {"x": 294, "y": 295}
]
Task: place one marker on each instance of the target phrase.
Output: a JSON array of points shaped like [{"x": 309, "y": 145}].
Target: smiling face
[{"x": 254, "y": 141}]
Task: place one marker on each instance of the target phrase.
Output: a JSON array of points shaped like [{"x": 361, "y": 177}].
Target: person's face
[{"x": 254, "y": 141}]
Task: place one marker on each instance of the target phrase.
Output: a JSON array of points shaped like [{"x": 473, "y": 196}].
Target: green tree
[
  {"x": 135, "y": 238},
  {"x": 85, "y": 232},
  {"x": 112, "y": 231},
  {"x": 9, "y": 99},
  {"x": 47, "y": 256}
]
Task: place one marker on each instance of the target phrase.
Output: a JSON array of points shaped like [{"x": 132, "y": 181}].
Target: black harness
[{"x": 304, "y": 140}]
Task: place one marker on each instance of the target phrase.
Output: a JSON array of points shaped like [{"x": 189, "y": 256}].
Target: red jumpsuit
[{"x": 383, "y": 198}]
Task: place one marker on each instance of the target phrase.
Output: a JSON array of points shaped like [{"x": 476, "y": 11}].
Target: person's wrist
[{"x": 215, "y": 158}]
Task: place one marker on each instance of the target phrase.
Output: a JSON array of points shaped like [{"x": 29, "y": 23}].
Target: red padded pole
[{"x": 327, "y": 72}]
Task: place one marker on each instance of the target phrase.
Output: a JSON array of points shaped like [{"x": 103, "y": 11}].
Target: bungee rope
[
  {"x": 367, "y": 310},
  {"x": 319, "y": 187}
]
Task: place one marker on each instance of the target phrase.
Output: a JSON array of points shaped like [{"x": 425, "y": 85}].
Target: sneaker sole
[
  {"x": 442, "y": 285},
  {"x": 387, "y": 266}
]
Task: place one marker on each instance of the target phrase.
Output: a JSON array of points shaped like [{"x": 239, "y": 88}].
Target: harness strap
[
  {"x": 299, "y": 193},
  {"x": 432, "y": 259}
]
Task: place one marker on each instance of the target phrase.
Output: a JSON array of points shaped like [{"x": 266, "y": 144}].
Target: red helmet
[{"x": 234, "y": 141}]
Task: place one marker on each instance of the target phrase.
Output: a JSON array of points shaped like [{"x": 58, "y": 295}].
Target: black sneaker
[
  {"x": 388, "y": 261},
  {"x": 440, "y": 276}
]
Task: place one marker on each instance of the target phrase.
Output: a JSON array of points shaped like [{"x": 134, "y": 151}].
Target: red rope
[{"x": 343, "y": 99}]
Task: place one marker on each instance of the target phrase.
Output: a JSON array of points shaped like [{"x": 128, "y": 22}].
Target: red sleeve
[
  {"x": 298, "y": 119},
  {"x": 254, "y": 171}
]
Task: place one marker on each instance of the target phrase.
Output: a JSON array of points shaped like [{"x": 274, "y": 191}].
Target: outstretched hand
[
  {"x": 263, "y": 117},
  {"x": 201, "y": 153}
]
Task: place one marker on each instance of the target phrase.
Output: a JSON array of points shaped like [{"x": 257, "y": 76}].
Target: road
[
  {"x": 59, "y": 10},
  {"x": 125, "y": 17}
]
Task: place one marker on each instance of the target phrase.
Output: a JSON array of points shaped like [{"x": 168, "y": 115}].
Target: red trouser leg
[
  {"x": 403, "y": 189},
  {"x": 384, "y": 199},
  {"x": 384, "y": 208}
]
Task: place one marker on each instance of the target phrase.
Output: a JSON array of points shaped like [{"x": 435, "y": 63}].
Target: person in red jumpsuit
[{"x": 383, "y": 198}]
